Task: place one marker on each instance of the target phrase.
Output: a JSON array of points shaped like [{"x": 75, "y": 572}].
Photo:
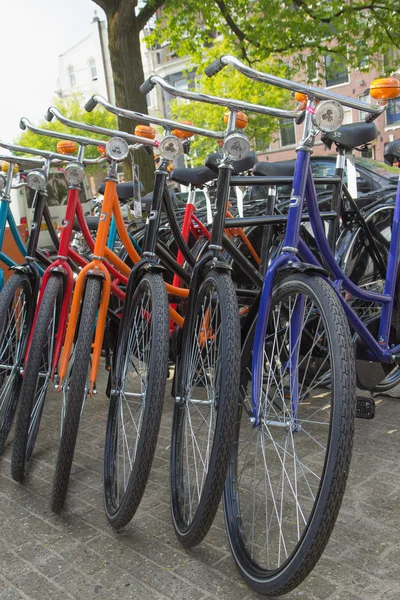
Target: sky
[{"x": 33, "y": 35}]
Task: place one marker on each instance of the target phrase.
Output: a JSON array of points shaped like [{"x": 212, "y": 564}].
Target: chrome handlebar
[
  {"x": 234, "y": 105},
  {"x": 83, "y": 141},
  {"x": 133, "y": 139},
  {"x": 310, "y": 90},
  {"x": 20, "y": 159},
  {"x": 46, "y": 154},
  {"x": 166, "y": 123}
]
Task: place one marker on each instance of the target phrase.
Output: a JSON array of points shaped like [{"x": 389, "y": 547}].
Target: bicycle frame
[
  {"x": 96, "y": 267},
  {"x": 303, "y": 188}
]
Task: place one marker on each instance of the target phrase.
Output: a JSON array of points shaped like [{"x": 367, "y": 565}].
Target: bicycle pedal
[{"x": 365, "y": 408}]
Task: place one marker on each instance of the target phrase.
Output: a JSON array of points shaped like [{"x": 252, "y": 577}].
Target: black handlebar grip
[
  {"x": 147, "y": 86},
  {"x": 49, "y": 115},
  {"x": 215, "y": 67},
  {"x": 90, "y": 104},
  {"x": 22, "y": 124}
]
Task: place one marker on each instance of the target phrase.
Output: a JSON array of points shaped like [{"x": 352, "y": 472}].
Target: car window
[
  {"x": 323, "y": 168},
  {"x": 378, "y": 167},
  {"x": 57, "y": 191}
]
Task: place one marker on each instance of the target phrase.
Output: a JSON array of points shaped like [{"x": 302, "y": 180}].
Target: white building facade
[{"x": 86, "y": 67}]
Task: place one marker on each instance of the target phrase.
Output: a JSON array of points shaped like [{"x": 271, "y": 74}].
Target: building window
[
  {"x": 158, "y": 57},
  {"x": 93, "y": 70},
  {"x": 335, "y": 70},
  {"x": 72, "y": 78},
  {"x": 393, "y": 112},
  {"x": 312, "y": 69},
  {"x": 365, "y": 97},
  {"x": 391, "y": 61},
  {"x": 287, "y": 132},
  {"x": 182, "y": 85}
]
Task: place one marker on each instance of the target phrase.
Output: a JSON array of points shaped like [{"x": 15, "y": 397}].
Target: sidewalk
[{"x": 77, "y": 555}]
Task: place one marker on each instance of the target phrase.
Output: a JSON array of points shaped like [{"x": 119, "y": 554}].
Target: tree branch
[
  {"x": 148, "y": 11},
  {"x": 108, "y": 5},
  {"x": 242, "y": 37}
]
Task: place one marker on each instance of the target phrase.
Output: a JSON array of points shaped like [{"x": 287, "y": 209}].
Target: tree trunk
[{"x": 127, "y": 67}]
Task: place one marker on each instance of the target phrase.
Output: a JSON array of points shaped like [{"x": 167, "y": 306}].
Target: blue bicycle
[{"x": 293, "y": 439}]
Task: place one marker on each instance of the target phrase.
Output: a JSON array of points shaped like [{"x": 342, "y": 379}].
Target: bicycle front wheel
[
  {"x": 203, "y": 420},
  {"x": 38, "y": 367},
  {"x": 135, "y": 408},
  {"x": 75, "y": 389},
  {"x": 287, "y": 473},
  {"x": 16, "y": 299}
]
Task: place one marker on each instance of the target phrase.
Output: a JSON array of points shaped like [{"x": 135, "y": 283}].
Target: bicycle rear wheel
[
  {"x": 203, "y": 420},
  {"x": 75, "y": 389},
  {"x": 135, "y": 409},
  {"x": 16, "y": 314},
  {"x": 36, "y": 377},
  {"x": 287, "y": 475}
]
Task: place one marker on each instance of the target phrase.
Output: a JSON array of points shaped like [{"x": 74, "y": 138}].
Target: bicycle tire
[
  {"x": 124, "y": 484},
  {"x": 272, "y": 552},
  {"x": 75, "y": 386},
  {"x": 219, "y": 382},
  {"x": 10, "y": 375},
  {"x": 33, "y": 390}
]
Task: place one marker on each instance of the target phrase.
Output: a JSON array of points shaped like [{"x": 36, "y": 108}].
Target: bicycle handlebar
[
  {"x": 46, "y": 154},
  {"x": 130, "y": 114},
  {"x": 133, "y": 139},
  {"x": 83, "y": 141},
  {"x": 21, "y": 159},
  {"x": 154, "y": 80},
  {"x": 310, "y": 90}
]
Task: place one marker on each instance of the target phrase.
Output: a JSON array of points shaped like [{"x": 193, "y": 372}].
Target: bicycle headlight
[
  {"x": 74, "y": 173},
  {"x": 328, "y": 115},
  {"x": 170, "y": 147},
  {"x": 117, "y": 149},
  {"x": 236, "y": 145},
  {"x": 36, "y": 180},
  {"x": 2, "y": 182}
]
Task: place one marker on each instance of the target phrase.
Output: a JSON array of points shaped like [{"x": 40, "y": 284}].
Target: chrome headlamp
[
  {"x": 117, "y": 149},
  {"x": 170, "y": 147},
  {"x": 74, "y": 173},
  {"x": 328, "y": 115},
  {"x": 236, "y": 145},
  {"x": 36, "y": 180}
]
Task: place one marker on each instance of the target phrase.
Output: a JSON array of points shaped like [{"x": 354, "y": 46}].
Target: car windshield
[{"x": 378, "y": 167}]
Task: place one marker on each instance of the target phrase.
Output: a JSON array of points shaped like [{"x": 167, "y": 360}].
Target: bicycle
[
  {"x": 300, "y": 424},
  {"x": 19, "y": 296}
]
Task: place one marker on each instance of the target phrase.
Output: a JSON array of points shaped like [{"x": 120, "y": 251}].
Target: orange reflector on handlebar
[
  {"x": 101, "y": 149},
  {"x": 241, "y": 119},
  {"x": 5, "y": 166},
  {"x": 66, "y": 147},
  {"x": 299, "y": 97},
  {"x": 183, "y": 135},
  {"x": 385, "y": 88},
  {"x": 145, "y": 131}
]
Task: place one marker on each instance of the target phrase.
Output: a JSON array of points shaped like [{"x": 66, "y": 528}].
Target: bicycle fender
[{"x": 300, "y": 267}]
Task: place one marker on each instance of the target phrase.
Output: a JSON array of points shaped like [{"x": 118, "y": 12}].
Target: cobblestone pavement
[{"x": 76, "y": 554}]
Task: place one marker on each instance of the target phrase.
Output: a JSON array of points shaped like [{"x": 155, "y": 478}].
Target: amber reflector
[
  {"x": 5, "y": 166},
  {"x": 299, "y": 97},
  {"x": 101, "y": 149},
  {"x": 66, "y": 147},
  {"x": 241, "y": 119},
  {"x": 384, "y": 89},
  {"x": 183, "y": 135},
  {"x": 145, "y": 131}
]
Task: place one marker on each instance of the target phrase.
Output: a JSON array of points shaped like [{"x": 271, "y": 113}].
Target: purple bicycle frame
[{"x": 294, "y": 246}]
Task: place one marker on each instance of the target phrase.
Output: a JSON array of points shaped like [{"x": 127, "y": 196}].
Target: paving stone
[{"x": 77, "y": 555}]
